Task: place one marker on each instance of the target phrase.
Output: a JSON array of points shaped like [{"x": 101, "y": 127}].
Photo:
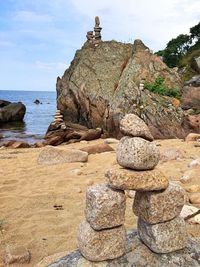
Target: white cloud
[
  {"x": 51, "y": 66},
  {"x": 155, "y": 21}
]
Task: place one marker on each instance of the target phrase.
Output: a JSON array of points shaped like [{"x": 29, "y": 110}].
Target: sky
[{"x": 38, "y": 38}]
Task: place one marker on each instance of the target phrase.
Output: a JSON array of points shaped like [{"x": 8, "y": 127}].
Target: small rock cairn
[
  {"x": 157, "y": 202},
  {"x": 58, "y": 118},
  {"x": 96, "y": 36}
]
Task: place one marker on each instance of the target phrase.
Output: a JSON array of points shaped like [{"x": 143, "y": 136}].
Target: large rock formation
[
  {"x": 102, "y": 84},
  {"x": 11, "y": 111}
]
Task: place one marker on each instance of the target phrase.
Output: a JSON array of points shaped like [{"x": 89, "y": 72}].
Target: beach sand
[{"x": 31, "y": 195}]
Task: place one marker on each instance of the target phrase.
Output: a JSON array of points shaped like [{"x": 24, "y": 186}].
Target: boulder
[
  {"x": 190, "y": 98},
  {"x": 125, "y": 179},
  {"x": 100, "y": 148},
  {"x": 105, "y": 207},
  {"x": 194, "y": 81},
  {"x": 102, "y": 85},
  {"x": 192, "y": 137},
  {"x": 4, "y": 103},
  {"x": 157, "y": 207},
  {"x": 58, "y": 133},
  {"x": 195, "y": 198},
  {"x": 101, "y": 245},
  {"x": 188, "y": 213},
  {"x": 137, "y": 153},
  {"x": 37, "y": 102},
  {"x": 133, "y": 126},
  {"x": 20, "y": 144},
  {"x": 12, "y": 112},
  {"x": 193, "y": 123},
  {"x": 137, "y": 255},
  {"x": 53, "y": 155},
  {"x": 163, "y": 237}
]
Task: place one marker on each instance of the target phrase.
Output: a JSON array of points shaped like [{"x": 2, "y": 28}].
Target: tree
[
  {"x": 195, "y": 32},
  {"x": 176, "y": 49}
]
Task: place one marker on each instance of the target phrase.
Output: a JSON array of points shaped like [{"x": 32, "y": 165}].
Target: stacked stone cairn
[
  {"x": 157, "y": 202},
  {"x": 90, "y": 36},
  {"x": 97, "y": 29},
  {"x": 58, "y": 118},
  {"x": 95, "y": 37}
]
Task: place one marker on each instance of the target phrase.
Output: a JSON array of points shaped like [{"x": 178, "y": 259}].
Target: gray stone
[
  {"x": 137, "y": 153},
  {"x": 159, "y": 206},
  {"x": 53, "y": 155},
  {"x": 132, "y": 125},
  {"x": 138, "y": 256},
  {"x": 163, "y": 237},
  {"x": 105, "y": 207},
  {"x": 125, "y": 179},
  {"x": 101, "y": 245}
]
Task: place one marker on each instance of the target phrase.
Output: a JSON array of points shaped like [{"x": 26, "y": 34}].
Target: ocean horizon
[{"x": 36, "y": 119}]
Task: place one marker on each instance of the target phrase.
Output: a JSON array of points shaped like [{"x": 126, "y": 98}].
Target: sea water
[{"x": 36, "y": 119}]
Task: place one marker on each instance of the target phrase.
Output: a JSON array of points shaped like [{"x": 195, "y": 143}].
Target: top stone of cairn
[{"x": 133, "y": 126}]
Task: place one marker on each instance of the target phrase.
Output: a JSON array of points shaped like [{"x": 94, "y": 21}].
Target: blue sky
[{"x": 38, "y": 38}]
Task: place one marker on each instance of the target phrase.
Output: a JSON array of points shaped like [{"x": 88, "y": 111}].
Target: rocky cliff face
[{"x": 102, "y": 84}]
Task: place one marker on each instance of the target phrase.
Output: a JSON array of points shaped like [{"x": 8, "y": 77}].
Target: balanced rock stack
[
  {"x": 90, "y": 36},
  {"x": 157, "y": 202},
  {"x": 97, "y": 29},
  {"x": 58, "y": 118},
  {"x": 102, "y": 236}
]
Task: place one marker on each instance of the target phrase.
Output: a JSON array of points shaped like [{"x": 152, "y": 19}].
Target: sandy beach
[{"x": 42, "y": 206}]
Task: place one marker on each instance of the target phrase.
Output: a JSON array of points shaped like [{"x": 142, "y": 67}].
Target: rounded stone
[
  {"x": 101, "y": 245},
  {"x": 137, "y": 153},
  {"x": 105, "y": 207},
  {"x": 159, "y": 206},
  {"x": 132, "y": 125},
  {"x": 125, "y": 179}
]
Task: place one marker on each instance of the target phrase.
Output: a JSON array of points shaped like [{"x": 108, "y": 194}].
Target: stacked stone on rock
[
  {"x": 90, "y": 36},
  {"x": 157, "y": 203},
  {"x": 97, "y": 29},
  {"x": 58, "y": 118},
  {"x": 95, "y": 37},
  {"x": 102, "y": 236}
]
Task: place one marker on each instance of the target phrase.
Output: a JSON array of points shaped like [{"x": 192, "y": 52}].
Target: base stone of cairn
[
  {"x": 101, "y": 245},
  {"x": 163, "y": 237},
  {"x": 105, "y": 207},
  {"x": 102, "y": 236}
]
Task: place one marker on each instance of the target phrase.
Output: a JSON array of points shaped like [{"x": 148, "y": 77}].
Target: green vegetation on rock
[
  {"x": 181, "y": 51},
  {"x": 158, "y": 87}
]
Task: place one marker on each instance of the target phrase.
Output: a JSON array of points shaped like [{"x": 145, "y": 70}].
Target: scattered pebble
[
  {"x": 187, "y": 177},
  {"x": 111, "y": 141},
  {"x": 194, "y": 163}
]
